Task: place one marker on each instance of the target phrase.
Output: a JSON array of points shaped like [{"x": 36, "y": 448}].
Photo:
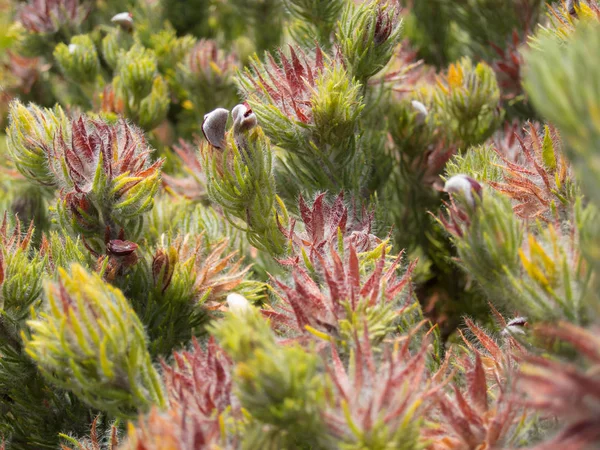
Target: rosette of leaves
[
  {"x": 542, "y": 277},
  {"x": 379, "y": 401},
  {"x": 534, "y": 172},
  {"x": 174, "y": 288},
  {"x": 467, "y": 102},
  {"x": 90, "y": 341},
  {"x": 367, "y": 35},
  {"x": 79, "y": 60},
  {"x": 199, "y": 388},
  {"x": 31, "y": 134},
  {"x": 309, "y": 106},
  {"x": 343, "y": 278},
  {"x": 108, "y": 181},
  {"x": 539, "y": 178},
  {"x": 49, "y": 22},
  {"x": 143, "y": 92}
]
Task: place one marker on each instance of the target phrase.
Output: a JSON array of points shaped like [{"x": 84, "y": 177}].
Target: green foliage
[
  {"x": 78, "y": 60},
  {"x": 467, "y": 102},
  {"x": 489, "y": 247},
  {"x": 320, "y": 139},
  {"x": 316, "y": 20},
  {"x": 91, "y": 342},
  {"x": 480, "y": 162},
  {"x": 30, "y": 137},
  {"x": 240, "y": 179},
  {"x": 566, "y": 98},
  {"x": 300, "y": 229},
  {"x": 279, "y": 386},
  {"x": 146, "y": 93},
  {"x": 368, "y": 35}
]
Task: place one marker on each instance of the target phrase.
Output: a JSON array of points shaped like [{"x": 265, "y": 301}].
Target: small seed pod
[
  {"x": 124, "y": 20},
  {"x": 464, "y": 185},
  {"x": 213, "y": 127}
]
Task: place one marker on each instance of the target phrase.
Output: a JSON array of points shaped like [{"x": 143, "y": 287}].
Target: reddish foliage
[
  {"x": 528, "y": 179},
  {"x": 567, "y": 390},
  {"x": 377, "y": 392},
  {"x": 47, "y": 16},
  {"x": 206, "y": 56},
  {"x": 120, "y": 147},
  {"x": 290, "y": 84},
  {"x": 201, "y": 379},
  {"x": 508, "y": 67}
]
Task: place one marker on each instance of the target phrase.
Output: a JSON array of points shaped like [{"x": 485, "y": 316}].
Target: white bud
[
  {"x": 238, "y": 304},
  {"x": 464, "y": 185},
  {"x": 214, "y": 125},
  {"x": 515, "y": 326},
  {"x": 421, "y": 111},
  {"x": 124, "y": 19},
  {"x": 243, "y": 118},
  {"x": 72, "y": 48}
]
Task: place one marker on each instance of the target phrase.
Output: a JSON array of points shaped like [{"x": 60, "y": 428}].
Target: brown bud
[
  {"x": 163, "y": 266},
  {"x": 118, "y": 247}
]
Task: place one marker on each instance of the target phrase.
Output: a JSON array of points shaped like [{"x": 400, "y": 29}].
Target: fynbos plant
[{"x": 299, "y": 224}]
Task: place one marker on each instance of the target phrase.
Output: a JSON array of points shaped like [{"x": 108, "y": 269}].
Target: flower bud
[
  {"x": 515, "y": 326},
  {"x": 214, "y": 125},
  {"x": 163, "y": 267},
  {"x": 421, "y": 111},
  {"x": 118, "y": 247},
  {"x": 124, "y": 20},
  {"x": 244, "y": 119},
  {"x": 464, "y": 185},
  {"x": 78, "y": 60},
  {"x": 238, "y": 304}
]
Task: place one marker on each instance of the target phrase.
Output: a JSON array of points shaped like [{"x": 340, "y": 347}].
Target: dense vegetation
[{"x": 299, "y": 224}]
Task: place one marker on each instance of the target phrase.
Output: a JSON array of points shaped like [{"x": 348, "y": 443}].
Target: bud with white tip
[
  {"x": 421, "y": 111},
  {"x": 213, "y": 127},
  {"x": 464, "y": 185},
  {"x": 238, "y": 304},
  {"x": 515, "y": 326},
  {"x": 124, "y": 19},
  {"x": 244, "y": 118},
  {"x": 72, "y": 48}
]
